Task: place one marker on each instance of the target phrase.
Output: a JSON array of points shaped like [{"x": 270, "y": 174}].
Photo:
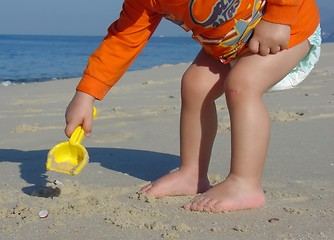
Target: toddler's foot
[
  {"x": 176, "y": 183},
  {"x": 229, "y": 195}
]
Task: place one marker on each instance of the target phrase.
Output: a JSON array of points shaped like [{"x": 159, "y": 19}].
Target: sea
[{"x": 33, "y": 58}]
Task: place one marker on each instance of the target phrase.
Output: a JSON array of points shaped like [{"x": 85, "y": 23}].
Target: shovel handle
[{"x": 79, "y": 133}]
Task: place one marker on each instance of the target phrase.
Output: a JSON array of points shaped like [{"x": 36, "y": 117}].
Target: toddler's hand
[
  {"x": 269, "y": 38},
  {"x": 79, "y": 112}
]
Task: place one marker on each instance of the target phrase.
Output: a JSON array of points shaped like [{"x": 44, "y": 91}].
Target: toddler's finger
[
  {"x": 69, "y": 129},
  {"x": 264, "y": 50},
  {"x": 87, "y": 127},
  {"x": 275, "y": 49},
  {"x": 254, "y": 45}
]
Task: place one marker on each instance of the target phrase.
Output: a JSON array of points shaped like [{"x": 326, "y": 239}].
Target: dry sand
[{"x": 135, "y": 140}]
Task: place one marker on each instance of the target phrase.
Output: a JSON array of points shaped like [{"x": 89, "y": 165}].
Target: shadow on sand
[{"x": 145, "y": 165}]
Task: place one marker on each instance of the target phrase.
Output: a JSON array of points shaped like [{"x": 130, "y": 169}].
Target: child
[{"x": 264, "y": 42}]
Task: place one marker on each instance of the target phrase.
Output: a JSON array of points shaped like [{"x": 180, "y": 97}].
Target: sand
[{"x": 135, "y": 140}]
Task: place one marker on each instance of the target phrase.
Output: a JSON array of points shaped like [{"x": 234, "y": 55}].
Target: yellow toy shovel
[{"x": 69, "y": 157}]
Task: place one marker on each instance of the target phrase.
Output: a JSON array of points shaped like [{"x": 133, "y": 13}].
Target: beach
[{"x": 135, "y": 140}]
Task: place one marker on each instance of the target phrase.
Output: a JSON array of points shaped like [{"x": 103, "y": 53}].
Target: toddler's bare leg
[
  {"x": 201, "y": 85},
  {"x": 250, "y": 130}
]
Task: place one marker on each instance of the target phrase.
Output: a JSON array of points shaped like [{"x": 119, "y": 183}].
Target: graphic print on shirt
[
  {"x": 236, "y": 40},
  {"x": 221, "y": 12},
  {"x": 230, "y": 45}
]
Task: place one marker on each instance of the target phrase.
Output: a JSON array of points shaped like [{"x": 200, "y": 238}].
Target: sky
[{"x": 80, "y": 17}]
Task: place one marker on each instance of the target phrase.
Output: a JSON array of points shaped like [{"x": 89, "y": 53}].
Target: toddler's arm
[{"x": 125, "y": 39}]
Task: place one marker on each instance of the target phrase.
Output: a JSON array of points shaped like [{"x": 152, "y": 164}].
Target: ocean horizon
[{"x": 38, "y": 58}]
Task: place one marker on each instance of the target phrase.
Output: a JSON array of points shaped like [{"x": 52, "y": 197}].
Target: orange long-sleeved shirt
[{"x": 222, "y": 27}]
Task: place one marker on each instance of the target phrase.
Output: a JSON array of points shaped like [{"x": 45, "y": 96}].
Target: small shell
[
  {"x": 43, "y": 214},
  {"x": 58, "y": 183}
]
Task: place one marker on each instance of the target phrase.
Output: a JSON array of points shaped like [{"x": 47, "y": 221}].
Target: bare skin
[
  {"x": 206, "y": 80},
  {"x": 250, "y": 130}
]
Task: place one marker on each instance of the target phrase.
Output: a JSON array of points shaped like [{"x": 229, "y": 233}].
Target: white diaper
[{"x": 304, "y": 67}]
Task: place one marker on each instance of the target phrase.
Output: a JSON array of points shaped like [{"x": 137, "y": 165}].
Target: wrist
[{"x": 85, "y": 96}]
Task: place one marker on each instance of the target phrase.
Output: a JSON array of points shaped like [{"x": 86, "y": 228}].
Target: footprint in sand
[
  {"x": 283, "y": 116},
  {"x": 25, "y": 128}
]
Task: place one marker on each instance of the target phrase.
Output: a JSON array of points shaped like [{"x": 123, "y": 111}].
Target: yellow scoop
[{"x": 69, "y": 157}]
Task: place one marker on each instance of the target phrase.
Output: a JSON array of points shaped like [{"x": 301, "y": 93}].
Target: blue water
[{"x": 42, "y": 58}]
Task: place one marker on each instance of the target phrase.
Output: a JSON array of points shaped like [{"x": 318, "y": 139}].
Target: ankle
[
  {"x": 194, "y": 174},
  {"x": 250, "y": 183}
]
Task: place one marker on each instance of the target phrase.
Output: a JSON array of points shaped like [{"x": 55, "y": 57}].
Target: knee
[
  {"x": 240, "y": 87},
  {"x": 191, "y": 86},
  {"x": 200, "y": 88}
]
